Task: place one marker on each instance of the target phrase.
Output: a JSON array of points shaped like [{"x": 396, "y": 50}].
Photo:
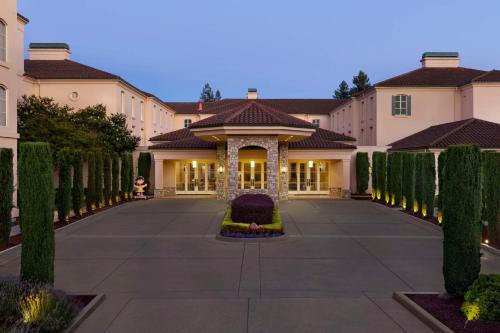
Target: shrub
[
  {"x": 90, "y": 195},
  {"x": 388, "y": 179},
  {"x": 64, "y": 192},
  {"x": 396, "y": 178},
  {"x": 124, "y": 175},
  {"x": 6, "y": 193},
  {"x": 37, "y": 197},
  {"x": 144, "y": 168},
  {"x": 106, "y": 166},
  {"x": 77, "y": 193},
  {"x": 491, "y": 194},
  {"x": 99, "y": 174},
  {"x": 115, "y": 177},
  {"x": 381, "y": 176},
  {"x": 130, "y": 181},
  {"x": 428, "y": 183},
  {"x": 417, "y": 203},
  {"x": 362, "y": 172},
  {"x": 461, "y": 216},
  {"x": 374, "y": 175},
  {"x": 441, "y": 171},
  {"x": 408, "y": 180},
  {"x": 252, "y": 208},
  {"x": 484, "y": 296}
]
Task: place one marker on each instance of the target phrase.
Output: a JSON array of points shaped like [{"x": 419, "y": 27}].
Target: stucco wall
[
  {"x": 324, "y": 119},
  {"x": 487, "y": 102}
]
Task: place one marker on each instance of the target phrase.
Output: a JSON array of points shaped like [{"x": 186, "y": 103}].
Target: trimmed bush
[
  {"x": 131, "y": 176},
  {"x": 115, "y": 177},
  {"x": 252, "y": 208},
  {"x": 419, "y": 182},
  {"x": 6, "y": 193},
  {"x": 63, "y": 200},
  {"x": 461, "y": 216},
  {"x": 144, "y": 168},
  {"x": 99, "y": 174},
  {"x": 396, "y": 178},
  {"x": 374, "y": 175},
  {"x": 37, "y": 217},
  {"x": 362, "y": 172},
  {"x": 388, "y": 179},
  {"x": 124, "y": 175},
  {"x": 381, "y": 176},
  {"x": 408, "y": 180},
  {"x": 91, "y": 196},
  {"x": 428, "y": 184},
  {"x": 484, "y": 296},
  {"x": 491, "y": 194},
  {"x": 106, "y": 166},
  {"x": 77, "y": 193},
  {"x": 441, "y": 171}
]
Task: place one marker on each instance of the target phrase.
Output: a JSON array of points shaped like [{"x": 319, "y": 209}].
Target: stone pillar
[
  {"x": 346, "y": 178},
  {"x": 272, "y": 168},
  {"x": 283, "y": 165},
  {"x": 221, "y": 163},
  {"x": 232, "y": 167},
  {"x": 158, "y": 178}
]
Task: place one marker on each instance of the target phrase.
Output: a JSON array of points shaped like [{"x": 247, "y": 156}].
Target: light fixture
[
  {"x": 311, "y": 163},
  {"x": 195, "y": 164},
  {"x": 221, "y": 169},
  {"x": 486, "y": 241},
  {"x": 284, "y": 169},
  {"x": 252, "y": 164}
]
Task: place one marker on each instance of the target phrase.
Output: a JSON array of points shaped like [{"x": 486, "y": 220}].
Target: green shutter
[
  {"x": 408, "y": 105},
  {"x": 394, "y": 105}
]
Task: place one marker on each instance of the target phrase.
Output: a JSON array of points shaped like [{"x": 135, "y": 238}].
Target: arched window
[
  {"x": 3, "y": 106},
  {"x": 3, "y": 41}
]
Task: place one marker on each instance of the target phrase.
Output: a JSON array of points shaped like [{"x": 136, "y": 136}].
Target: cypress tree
[
  {"x": 77, "y": 191},
  {"x": 64, "y": 192},
  {"x": 131, "y": 175},
  {"x": 115, "y": 177},
  {"x": 461, "y": 218},
  {"x": 491, "y": 194},
  {"x": 144, "y": 168},
  {"x": 441, "y": 171},
  {"x": 106, "y": 166},
  {"x": 99, "y": 174},
  {"x": 388, "y": 185},
  {"x": 417, "y": 203},
  {"x": 362, "y": 172},
  {"x": 396, "y": 178},
  {"x": 36, "y": 212},
  {"x": 408, "y": 180},
  {"x": 374, "y": 175},
  {"x": 90, "y": 196},
  {"x": 381, "y": 177},
  {"x": 429, "y": 184},
  {"x": 6, "y": 193},
  {"x": 124, "y": 175}
]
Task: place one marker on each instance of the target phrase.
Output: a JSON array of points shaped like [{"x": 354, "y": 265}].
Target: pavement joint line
[
  {"x": 241, "y": 268},
  {"x": 118, "y": 314},
  {"x": 196, "y": 236},
  {"x": 248, "y": 314},
  {"x": 386, "y": 314}
]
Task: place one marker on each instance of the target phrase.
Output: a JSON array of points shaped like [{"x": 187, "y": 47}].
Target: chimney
[
  {"x": 49, "y": 51},
  {"x": 252, "y": 93},
  {"x": 200, "y": 106},
  {"x": 440, "y": 60}
]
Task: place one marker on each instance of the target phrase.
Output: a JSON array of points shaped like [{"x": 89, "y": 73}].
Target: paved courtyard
[{"x": 162, "y": 269}]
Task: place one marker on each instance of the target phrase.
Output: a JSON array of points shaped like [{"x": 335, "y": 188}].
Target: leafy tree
[
  {"x": 6, "y": 193},
  {"x": 342, "y": 91},
  {"x": 77, "y": 191},
  {"x": 218, "y": 95},
  {"x": 64, "y": 192},
  {"x": 361, "y": 82},
  {"x": 37, "y": 218}
]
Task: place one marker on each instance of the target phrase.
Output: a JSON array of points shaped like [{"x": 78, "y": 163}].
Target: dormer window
[
  {"x": 401, "y": 105},
  {"x": 3, "y": 41}
]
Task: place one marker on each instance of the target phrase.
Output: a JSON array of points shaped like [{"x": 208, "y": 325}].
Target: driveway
[{"x": 162, "y": 269}]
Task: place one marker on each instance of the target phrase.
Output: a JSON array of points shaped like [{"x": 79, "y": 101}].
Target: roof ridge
[{"x": 459, "y": 127}]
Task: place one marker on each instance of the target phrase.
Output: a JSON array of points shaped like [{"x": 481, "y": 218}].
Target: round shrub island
[{"x": 252, "y": 208}]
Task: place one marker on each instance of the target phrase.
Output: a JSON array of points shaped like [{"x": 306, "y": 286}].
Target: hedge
[
  {"x": 441, "y": 171},
  {"x": 381, "y": 176},
  {"x": 429, "y": 183},
  {"x": 124, "y": 175},
  {"x": 491, "y": 194},
  {"x": 408, "y": 180},
  {"x": 461, "y": 218},
  {"x": 115, "y": 177},
  {"x": 90, "y": 196},
  {"x": 106, "y": 166},
  {"x": 396, "y": 178},
  {"x": 417, "y": 202},
  {"x": 131, "y": 175},
  {"x": 63, "y": 200},
  {"x": 99, "y": 175},
  {"x": 6, "y": 193},
  {"x": 374, "y": 174},
  {"x": 37, "y": 217},
  {"x": 144, "y": 168},
  {"x": 388, "y": 179},
  {"x": 77, "y": 193}
]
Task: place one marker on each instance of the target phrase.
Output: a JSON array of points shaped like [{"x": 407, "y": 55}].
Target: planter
[{"x": 85, "y": 312}]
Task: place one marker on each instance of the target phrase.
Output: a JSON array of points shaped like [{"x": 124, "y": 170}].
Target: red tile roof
[
  {"x": 491, "y": 76},
  {"x": 252, "y": 113},
  {"x": 483, "y": 133},
  {"x": 185, "y": 144}
]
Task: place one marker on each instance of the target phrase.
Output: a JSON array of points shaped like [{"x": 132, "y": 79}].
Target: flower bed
[
  {"x": 244, "y": 230},
  {"x": 252, "y": 208}
]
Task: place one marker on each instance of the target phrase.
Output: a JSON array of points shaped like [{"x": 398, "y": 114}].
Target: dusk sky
[{"x": 286, "y": 48}]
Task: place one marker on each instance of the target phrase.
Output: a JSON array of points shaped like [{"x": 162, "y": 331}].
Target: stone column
[
  {"x": 346, "y": 178},
  {"x": 283, "y": 165},
  {"x": 272, "y": 168},
  {"x": 232, "y": 167},
  {"x": 158, "y": 178},
  {"x": 221, "y": 162}
]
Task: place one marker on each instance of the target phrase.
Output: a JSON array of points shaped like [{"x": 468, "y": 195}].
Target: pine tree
[
  {"x": 77, "y": 192},
  {"x": 361, "y": 82},
  {"x": 207, "y": 94},
  {"x": 6, "y": 193},
  {"x": 342, "y": 91},
  {"x": 218, "y": 95}
]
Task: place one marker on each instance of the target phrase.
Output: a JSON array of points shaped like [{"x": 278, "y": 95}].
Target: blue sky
[{"x": 285, "y": 48}]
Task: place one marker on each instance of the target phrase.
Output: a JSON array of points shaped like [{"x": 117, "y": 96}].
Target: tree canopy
[
  {"x": 360, "y": 83},
  {"x": 207, "y": 95},
  {"x": 342, "y": 91}
]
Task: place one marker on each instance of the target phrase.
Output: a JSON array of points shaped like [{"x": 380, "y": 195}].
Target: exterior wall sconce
[
  {"x": 221, "y": 169},
  {"x": 311, "y": 164},
  {"x": 252, "y": 164},
  {"x": 284, "y": 169},
  {"x": 195, "y": 164}
]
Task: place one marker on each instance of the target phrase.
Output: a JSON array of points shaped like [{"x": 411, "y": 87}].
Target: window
[
  {"x": 316, "y": 122},
  {"x": 401, "y": 105},
  {"x": 133, "y": 107},
  {"x": 122, "y": 101},
  {"x": 187, "y": 123},
  {"x": 3, "y": 106},
  {"x": 3, "y": 41},
  {"x": 142, "y": 111}
]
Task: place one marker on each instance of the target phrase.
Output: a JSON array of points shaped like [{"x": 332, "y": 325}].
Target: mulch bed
[
  {"x": 448, "y": 312},
  {"x": 81, "y": 300}
]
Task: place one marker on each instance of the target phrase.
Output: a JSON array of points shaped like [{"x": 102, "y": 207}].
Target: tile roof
[
  {"x": 185, "y": 144},
  {"x": 64, "y": 69},
  {"x": 184, "y": 133},
  {"x": 483, "y": 133},
  {"x": 491, "y": 76},
  {"x": 252, "y": 113},
  {"x": 323, "y": 139},
  {"x": 290, "y": 105}
]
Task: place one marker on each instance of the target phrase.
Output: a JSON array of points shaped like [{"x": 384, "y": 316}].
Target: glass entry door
[
  {"x": 193, "y": 177},
  {"x": 252, "y": 175},
  {"x": 308, "y": 177}
]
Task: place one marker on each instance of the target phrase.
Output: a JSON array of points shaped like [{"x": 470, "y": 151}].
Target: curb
[
  {"x": 490, "y": 249},
  {"x": 420, "y": 313},
  {"x": 86, "y": 311}
]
